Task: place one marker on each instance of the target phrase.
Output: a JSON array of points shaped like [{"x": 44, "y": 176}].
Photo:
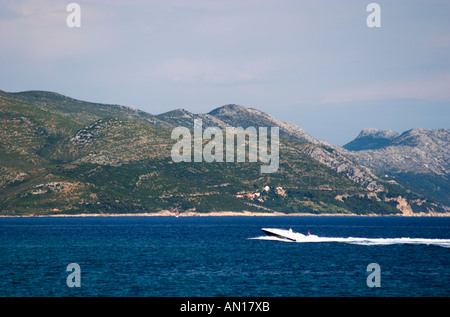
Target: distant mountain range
[
  {"x": 418, "y": 159},
  {"x": 59, "y": 155},
  {"x": 371, "y": 139}
]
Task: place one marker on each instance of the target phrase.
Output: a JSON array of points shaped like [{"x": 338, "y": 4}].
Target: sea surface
[{"x": 224, "y": 256}]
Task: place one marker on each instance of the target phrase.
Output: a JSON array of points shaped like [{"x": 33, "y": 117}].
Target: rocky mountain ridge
[
  {"x": 239, "y": 116},
  {"x": 370, "y": 138},
  {"x": 417, "y": 155},
  {"x": 416, "y": 150}
]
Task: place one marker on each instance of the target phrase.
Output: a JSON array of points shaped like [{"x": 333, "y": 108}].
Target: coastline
[{"x": 166, "y": 213}]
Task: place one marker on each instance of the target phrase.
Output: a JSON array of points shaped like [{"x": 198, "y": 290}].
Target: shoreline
[{"x": 166, "y": 213}]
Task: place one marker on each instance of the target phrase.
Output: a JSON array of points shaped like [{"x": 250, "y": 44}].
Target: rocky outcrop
[
  {"x": 342, "y": 164},
  {"x": 402, "y": 205}
]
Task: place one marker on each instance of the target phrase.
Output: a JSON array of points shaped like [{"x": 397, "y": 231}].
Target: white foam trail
[{"x": 364, "y": 241}]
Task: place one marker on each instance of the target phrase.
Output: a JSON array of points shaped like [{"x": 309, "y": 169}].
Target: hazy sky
[{"x": 314, "y": 63}]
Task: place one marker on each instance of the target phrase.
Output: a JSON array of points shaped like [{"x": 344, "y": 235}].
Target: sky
[{"x": 316, "y": 64}]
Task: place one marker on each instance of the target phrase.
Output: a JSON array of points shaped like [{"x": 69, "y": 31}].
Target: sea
[{"x": 224, "y": 257}]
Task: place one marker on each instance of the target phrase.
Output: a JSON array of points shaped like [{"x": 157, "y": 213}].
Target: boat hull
[{"x": 280, "y": 233}]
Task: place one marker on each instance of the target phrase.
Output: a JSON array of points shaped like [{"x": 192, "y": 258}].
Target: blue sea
[{"x": 224, "y": 256}]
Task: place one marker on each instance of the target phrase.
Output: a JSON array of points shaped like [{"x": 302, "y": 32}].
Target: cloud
[
  {"x": 260, "y": 52},
  {"x": 37, "y": 31},
  {"x": 208, "y": 71},
  {"x": 436, "y": 88}
]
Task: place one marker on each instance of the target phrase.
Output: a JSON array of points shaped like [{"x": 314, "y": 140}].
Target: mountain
[
  {"x": 371, "y": 139},
  {"x": 79, "y": 111},
  {"x": 327, "y": 154},
  {"x": 418, "y": 159},
  {"x": 62, "y": 155},
  {"x": 235, "y": 115},
  {"x": 181, "y": 117}
]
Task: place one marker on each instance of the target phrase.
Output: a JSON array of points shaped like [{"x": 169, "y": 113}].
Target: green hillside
[{"x": 59, "y": 155}]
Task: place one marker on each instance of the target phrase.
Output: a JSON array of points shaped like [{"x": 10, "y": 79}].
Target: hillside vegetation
[{"x": 60, "y": 155}]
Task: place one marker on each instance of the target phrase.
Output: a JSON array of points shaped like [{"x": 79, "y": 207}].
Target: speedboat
[{"x": 283, "y": 234}]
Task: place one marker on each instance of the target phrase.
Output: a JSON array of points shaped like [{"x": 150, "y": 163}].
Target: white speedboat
[{"x": 283, "y": 234}]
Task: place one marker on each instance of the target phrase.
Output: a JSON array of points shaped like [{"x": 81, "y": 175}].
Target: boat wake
[{"x": 300, "y": 238}]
